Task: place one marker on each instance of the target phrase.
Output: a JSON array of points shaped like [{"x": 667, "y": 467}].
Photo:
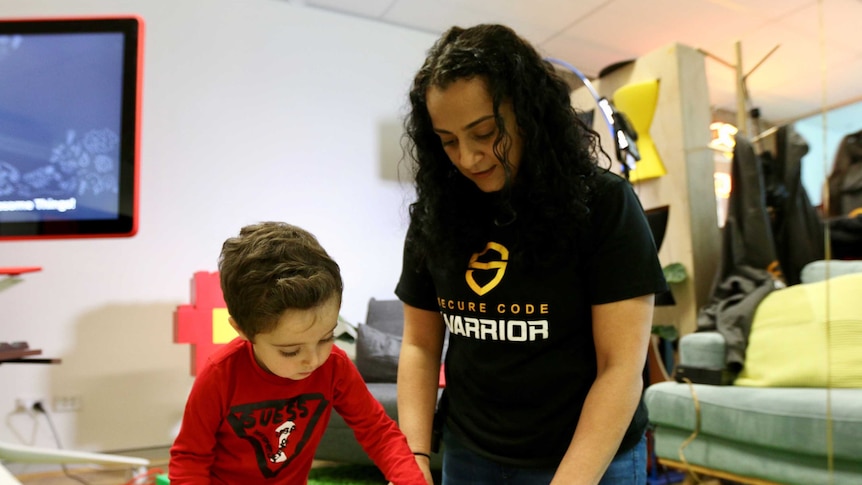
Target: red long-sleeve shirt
[{"x": 244, "y": 425}]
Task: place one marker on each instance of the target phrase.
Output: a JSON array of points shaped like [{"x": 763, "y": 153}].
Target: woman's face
[{"x": 462, "y": 115}]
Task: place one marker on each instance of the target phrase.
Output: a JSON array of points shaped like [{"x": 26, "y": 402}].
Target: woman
[{"x": 540, "y": 264}]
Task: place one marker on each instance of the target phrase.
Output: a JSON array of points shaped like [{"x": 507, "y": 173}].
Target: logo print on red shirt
[{"x": 278, "y": 430}]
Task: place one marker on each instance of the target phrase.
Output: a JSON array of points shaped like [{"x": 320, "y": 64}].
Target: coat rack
[{"x": 741, "y": 88}]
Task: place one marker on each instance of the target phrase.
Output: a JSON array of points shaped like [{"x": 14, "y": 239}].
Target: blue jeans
[{"x": 461, "y": 466}]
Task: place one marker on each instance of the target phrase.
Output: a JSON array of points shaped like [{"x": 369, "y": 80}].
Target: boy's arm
[
  {"x": 374, "y": 429},
  {"x": 192, "y": 451}
]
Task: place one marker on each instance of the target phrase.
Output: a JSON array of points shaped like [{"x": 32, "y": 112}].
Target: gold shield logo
[{"x": 499, "y": 268}]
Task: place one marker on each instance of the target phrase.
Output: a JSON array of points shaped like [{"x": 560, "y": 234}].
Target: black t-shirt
[{"x": 521, "y": 356}]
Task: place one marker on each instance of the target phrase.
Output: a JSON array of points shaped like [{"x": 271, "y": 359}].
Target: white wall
[{"x": 253, "y": 110}]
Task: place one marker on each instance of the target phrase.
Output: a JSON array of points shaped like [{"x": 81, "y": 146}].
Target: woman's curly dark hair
[{"x": 547, "y": 201}]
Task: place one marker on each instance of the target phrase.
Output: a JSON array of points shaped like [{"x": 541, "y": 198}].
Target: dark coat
[
  {"x": 797, "y": 227},
  {"x": 845, "y": 199},
  {"x": 772, "y": 231},
  {"x": 749, "y": 267},
  {"x": 845, "y": 180}
]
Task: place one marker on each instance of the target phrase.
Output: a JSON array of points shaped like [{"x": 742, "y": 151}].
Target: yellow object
[
  {"x": 222, "y": 330},
  {"x": 638, "y": 102},
  {"x": 796, "y": 340}
]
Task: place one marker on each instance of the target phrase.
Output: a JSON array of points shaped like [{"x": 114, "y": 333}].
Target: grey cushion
[
  {"x": 386, "y": 315},
  {"x": 377, "y": 354},
  {"x": 378, "y": 341}
]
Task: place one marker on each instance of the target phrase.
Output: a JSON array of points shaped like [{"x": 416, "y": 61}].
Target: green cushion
[
  {"x": 821, "y": 270},
  {"x": 807, "y": 335},
  {"x": 791, "y": 420},
  {"x": 755, "y": 461},
  {"x": 704, "y": 350}
]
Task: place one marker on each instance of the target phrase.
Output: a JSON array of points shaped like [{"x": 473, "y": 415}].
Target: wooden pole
[{"x": 741, "y": 115}]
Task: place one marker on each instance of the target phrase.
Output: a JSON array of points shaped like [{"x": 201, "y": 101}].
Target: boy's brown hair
[{"x": 272, "y": 267}]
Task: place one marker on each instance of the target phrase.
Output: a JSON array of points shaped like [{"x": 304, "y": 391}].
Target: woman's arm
[
  {"x": 418, "y": 379},
  {"x": 621, "y": 332}
]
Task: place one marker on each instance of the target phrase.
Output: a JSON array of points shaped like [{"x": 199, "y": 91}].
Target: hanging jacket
[
  {"x": 845, "y": 180},
  {"x": 797, "y": 228},
  {"x": 749, "y": 267}
]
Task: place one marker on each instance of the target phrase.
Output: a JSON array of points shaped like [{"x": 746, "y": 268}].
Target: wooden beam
[
  {"x": 741, "y": 114},
  {"x": 702, "y": 470}
]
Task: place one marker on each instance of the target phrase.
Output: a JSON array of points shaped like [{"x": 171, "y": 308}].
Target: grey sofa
[
  {"x": 378, "y": 343},
  {"x": 773, "y": 423}
]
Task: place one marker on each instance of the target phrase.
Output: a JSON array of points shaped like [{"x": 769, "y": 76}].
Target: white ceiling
[{"x": 819, "y": 44}]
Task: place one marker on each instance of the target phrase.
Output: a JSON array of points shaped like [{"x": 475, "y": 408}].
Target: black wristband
[{"x": 419, "y": 453}]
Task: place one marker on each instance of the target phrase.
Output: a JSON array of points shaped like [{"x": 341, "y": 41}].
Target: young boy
[{"x": 257, "y": 411}]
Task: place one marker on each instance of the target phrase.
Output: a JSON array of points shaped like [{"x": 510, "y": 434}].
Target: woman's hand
[{"x": 425, "y": 465}]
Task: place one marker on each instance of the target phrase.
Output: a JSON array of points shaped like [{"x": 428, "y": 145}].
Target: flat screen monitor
[{"x": 70, "y": 94}]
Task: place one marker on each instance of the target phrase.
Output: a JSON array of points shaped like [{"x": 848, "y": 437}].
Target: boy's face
[{"x": 300, "y": 343}]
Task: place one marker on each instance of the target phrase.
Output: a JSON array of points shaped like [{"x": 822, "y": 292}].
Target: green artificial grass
[
  {"x": 346, "y": 475},
  {"x": 352, "y": 475},
  {"x": 339, "y": 475}
]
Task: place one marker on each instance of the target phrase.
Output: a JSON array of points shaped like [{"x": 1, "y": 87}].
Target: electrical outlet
[
  {"x": 25, "y": 404},
  {"x": 66, "y": 404}
]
